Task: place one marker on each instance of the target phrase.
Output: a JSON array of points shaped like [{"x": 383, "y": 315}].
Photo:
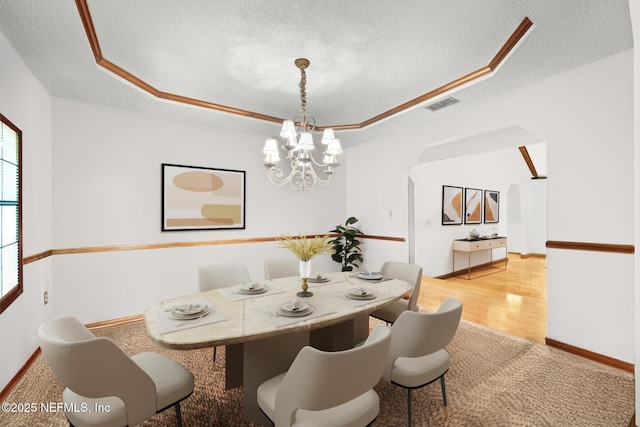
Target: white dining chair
[
  {"x": 327, "y": 389},
  {"x": 218, "y": 276},
  {"x": 410, "y": 273},
  {"x": 417, "y": 355},
  {"x": 281, "y": 267},
  {"x": 98, "y": 374}
]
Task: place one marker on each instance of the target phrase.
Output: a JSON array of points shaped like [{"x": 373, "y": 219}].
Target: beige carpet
[{"x": 495, "y": 380}]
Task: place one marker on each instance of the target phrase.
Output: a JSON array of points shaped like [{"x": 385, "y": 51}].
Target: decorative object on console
[
  {"x": 474, "y": 234},
  {"x": 346, "y": 247},
  {"x": 472, "y": 206},
  {"x": 451, "y": 205},
  {"x": 299, "y": 145},
  {"x": 199, "y": 198},
  {"x": 491, "y": 206},
  {"x": 304, "y": 249}
]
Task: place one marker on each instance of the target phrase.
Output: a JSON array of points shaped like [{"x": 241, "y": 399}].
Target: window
[{"x": 10, "y": 213}]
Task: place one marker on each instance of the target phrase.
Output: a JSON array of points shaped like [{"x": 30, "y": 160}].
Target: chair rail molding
[
  {"x": 590, "y": 246},
  {"x": 116, "y": 248}
]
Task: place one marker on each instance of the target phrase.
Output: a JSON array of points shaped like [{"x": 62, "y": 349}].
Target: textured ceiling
[{"x": 366, "y": 57}]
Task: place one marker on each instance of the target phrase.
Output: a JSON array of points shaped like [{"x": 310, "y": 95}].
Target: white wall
[
  {"x": 634, "y": 6},
  {"x": 106, "y": 191},
  {"x": 495, "y": 170},
  {"x": 25, "y": 103},
  {"x": 536, "y": 217},
  {"x": 91, "y": 177},
  {"x": 586, "y": 118}
]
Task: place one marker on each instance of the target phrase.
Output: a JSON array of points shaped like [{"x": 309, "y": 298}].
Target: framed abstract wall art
[
  {"x": 199, "y": 198},
  {"x": 451, "y": 205},
  {"x": 491, "y": 206},
  {"x": 472, "y": 206}
]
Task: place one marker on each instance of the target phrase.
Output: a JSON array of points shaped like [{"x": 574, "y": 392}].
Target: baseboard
[
  {"x": 497, "y": 262},
  {"x": 115, "y": 322},
  {"x": 533, "y": 255},
  {"x": 18, "y": 376},
  {"x": 600, "y": 358},
  {"x": 98, "y": 325}
]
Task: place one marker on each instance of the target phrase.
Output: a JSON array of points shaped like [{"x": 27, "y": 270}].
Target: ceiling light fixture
[{"x": 299, "y": 146}]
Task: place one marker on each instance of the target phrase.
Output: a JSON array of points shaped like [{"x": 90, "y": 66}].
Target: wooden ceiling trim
[
  {"x": 464, "y": 80},
  {"x": 124, "y": 74},
  {"x": 505, "y": 50},
  {"x": 94, "y": 43},
  {"x": 218, "y": 107},
  {"x": 513, "y": 41},
  {"x": 89, "y": 29},
  {"x": 529, "y": 161}
]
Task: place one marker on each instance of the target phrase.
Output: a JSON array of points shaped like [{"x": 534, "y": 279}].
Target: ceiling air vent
[{"x": 442, "y": 104}]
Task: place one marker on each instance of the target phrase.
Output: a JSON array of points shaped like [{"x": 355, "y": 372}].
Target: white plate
[
  {"x": 180, "y": 316},
  {"x": 189, "y": 309},
  {"x": 253, "y": 287},
  {"x": 318, "y": 279},
  {"x": 363, "y": 298},
  {"x": 262, "y": 290},
  {"x": 288, "y": 306},
  {"x": 356, "y": 293},
  {"x": 298, "y": 313},
  {"x": 369, "y": 275}
]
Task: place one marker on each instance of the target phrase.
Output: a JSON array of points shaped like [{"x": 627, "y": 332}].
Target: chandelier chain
[{"x": 303, "y": 97}]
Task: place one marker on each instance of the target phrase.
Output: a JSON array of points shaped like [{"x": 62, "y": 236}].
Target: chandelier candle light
[
  {"x": 304, "y": 249},
  {"x": 298, "y": 144}
]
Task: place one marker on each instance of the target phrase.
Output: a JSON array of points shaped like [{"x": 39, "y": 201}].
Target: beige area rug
[{"x": 495, "y": 379}]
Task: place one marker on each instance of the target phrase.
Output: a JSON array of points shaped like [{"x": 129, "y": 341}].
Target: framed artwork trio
[{"x": 465, "y": 205}]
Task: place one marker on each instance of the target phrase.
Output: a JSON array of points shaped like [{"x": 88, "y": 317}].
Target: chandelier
[{"x": 299, "y": 147}]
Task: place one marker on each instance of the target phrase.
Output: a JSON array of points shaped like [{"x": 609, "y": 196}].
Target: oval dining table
[{"x": 262, "y": 340}]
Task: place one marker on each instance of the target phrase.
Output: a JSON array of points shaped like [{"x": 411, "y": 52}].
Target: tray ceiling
[{"x": 368, "y": 59}]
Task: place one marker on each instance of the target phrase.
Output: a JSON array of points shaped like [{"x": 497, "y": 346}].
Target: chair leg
[
  {"x": 409, "y": 407},
  {"x": 444, "y": 390},
  {"x": 444, "y": 398},
  {"x": 215, "y": 352},
  {"x": 178, "y": 414}
]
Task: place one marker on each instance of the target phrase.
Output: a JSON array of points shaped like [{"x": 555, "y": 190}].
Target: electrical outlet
[{"x": 46, "y": 297}]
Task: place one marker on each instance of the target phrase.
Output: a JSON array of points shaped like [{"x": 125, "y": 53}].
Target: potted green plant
[{"x": 346, "y": 246}]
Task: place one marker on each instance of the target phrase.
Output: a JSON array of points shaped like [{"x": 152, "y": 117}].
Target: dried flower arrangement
[{"x": 305, "y": 248}]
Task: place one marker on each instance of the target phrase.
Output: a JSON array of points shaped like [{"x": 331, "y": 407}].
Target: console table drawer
[
  {"x": 478, "y": 245},
  {"x": 497, "y": 243},
  {"x": 470, "y": 246}
]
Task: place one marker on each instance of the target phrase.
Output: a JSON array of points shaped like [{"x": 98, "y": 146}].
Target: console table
[{"x": 476, "y": 245}]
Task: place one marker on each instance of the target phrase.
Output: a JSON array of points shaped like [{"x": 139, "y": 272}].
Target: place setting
[
  {"x": 370, "y": 276},
  {"x": 360, "y": 295},
  {"x": 188, "y": 315},
  {"x": 295, "y": 309},
  {"x": 248, "y": 290},
  {"x": 286, "y": 313},
  {"x": 318, "y": 279},
  {"x": 252, "y": 289}
]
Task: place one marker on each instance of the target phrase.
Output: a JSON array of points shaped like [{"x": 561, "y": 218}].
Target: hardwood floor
[{"x": 514, "y": 301}]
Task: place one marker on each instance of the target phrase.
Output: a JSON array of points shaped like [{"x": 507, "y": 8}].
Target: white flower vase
[{"x": 305, "y": 273}]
